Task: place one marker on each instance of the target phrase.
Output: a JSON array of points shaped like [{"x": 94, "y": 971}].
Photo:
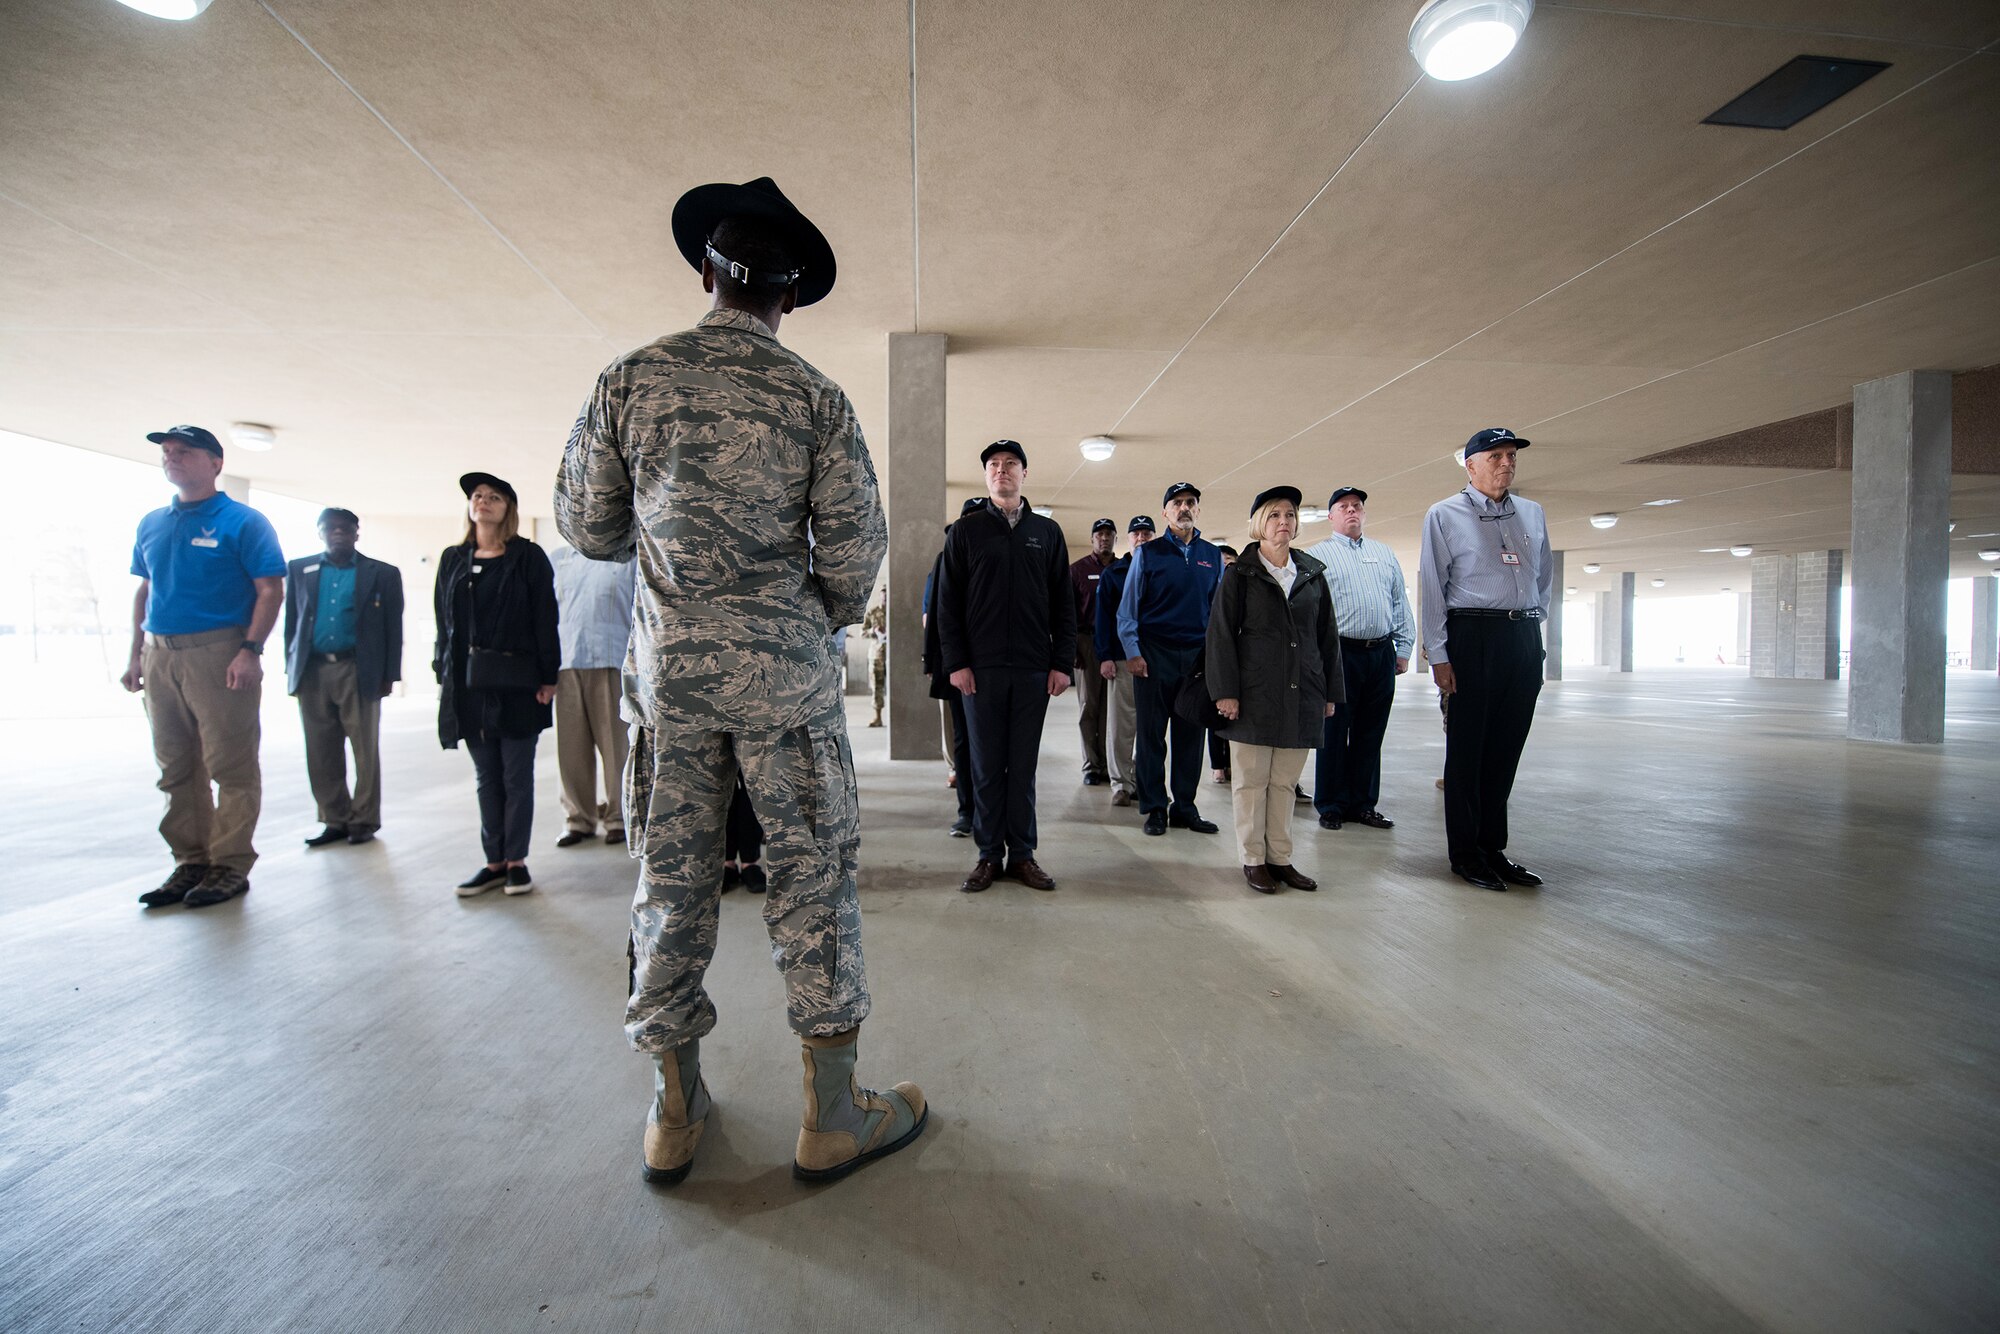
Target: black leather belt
[
  {"x": 1531, "y": 614},
  {"x": 1364, "y": 643},
  {"x": 345, "y": 655}
]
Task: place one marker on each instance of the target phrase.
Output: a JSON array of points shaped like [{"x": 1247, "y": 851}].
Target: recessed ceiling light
[
  {"x": 1710, "y": 551},
  {"x": 167, "y": 9},
  {"x": 1044, "y": 511},
  {"x": 1569, "y": 590},
  {"x": 1741, "y": 549},
  {"x": 1989, "y": 554},
  {"x": 1457, "y": 39},
  {"x": 1592, "y": 568},
  {"x": 253, "y": 436},
  {"x": 1659, "y": 583},
  {"x": 1098, "y": 448},
  {"x": 1311, "y": 514},
  {"x": 1655, "y": 503},
  {"x": 1604, "y": 521}
]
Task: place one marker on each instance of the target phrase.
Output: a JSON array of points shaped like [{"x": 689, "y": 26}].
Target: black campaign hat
[
  {"x": 1344, "y": 492},
  {"x": 472, "y": 479},
  {"x": 703, "y": 208},
  {"x": 1492, "y": 438},
  {"x": 1004, "y": 447},
  {"x": 193, "y": 436},
  {"x": 1181, "y": 489},
  {"x": 1104, "y": 526},
  {"x": 1269, "y": 494}
]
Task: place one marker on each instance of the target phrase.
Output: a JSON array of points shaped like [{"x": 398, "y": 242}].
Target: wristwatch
[{"x": 255, "y": 646}]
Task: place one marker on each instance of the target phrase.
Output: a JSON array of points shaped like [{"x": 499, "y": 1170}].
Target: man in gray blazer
[{"x": 343, "y": 653}]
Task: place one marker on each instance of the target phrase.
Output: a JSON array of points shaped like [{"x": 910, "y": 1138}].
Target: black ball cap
[
  {"x": 472, "y": 479},
  {"x": 1345, "y": 492},
  {"x": 1181, "y": 489},
  {"x": 701, "y": 210},
  {"x": 1104, "y": 526},
  {"x": 195, "y": 437},
  {"x": 1492, "y": 438},
  {"x": 1141, "y": 523},
  {"x": 1270, "y": 494},
  {"x": 1003, "y": 447},
  {"x": 972, "y": 503}
]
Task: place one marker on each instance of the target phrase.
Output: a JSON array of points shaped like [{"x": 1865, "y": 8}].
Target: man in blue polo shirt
[
  {"x": 1162, "y": 626},
  {"x": 211, "y": 581}
]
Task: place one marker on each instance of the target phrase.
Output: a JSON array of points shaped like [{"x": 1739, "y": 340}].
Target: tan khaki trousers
[
  {"x": 204, "y": 732},
  {"x": 1124, "y": 734},
  {"x": 336, "y": 717},
  {"x": 1260, "y": 784},
  {"x": 589, "y": 730}
]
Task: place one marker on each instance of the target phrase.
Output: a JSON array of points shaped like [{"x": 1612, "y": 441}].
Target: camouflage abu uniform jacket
[{"x": 715, "y": 452}]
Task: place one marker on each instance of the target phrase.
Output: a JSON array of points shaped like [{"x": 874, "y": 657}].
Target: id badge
[{"x": 1509, "y": 558}]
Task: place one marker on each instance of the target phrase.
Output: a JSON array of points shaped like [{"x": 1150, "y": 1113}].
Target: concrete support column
[
  {"x": 1628, "y": 598},
  {"x": 236, "y": 487},
  {"x": 1985, "y": 622},
  {"x": 1606, "y": 652},
  {"x": 1902, "y": 494},
  {"x": 1742, "y": 629},
  {"x": 1552, "y": 634},
  {"x": 916, "y": 532}
]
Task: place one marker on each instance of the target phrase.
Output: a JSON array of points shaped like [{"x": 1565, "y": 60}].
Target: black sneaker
[
  {"x": 485, "y": 878},
  {"x": 1156, "y": 823},
  {"x": 962, "y": 827},
  {"x": 519, "y": 881},
  {"x": 754, "y": 880},
  {"x": 176, "y": 886},
  {"x": 221, "y": 884},
  {"x": 333, "y": 833}
]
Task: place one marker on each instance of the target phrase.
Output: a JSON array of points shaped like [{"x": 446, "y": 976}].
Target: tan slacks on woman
[{"x": 1261, "y": 779}]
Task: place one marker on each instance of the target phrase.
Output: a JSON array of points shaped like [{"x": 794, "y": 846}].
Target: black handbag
[
  {"x": 492, "y": 669},
  {"x": 1192, "y": 703}
]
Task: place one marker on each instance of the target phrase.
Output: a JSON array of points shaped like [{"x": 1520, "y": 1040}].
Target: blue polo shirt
[{"x": 201, "y": 560}]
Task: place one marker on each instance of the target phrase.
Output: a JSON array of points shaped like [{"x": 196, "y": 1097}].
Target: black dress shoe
[
  {"x": 333, "y": 833},
  {"x": 1512, "y": 872},
  {"x": 731, "y": 878},
  {"x": 1192, "y": 822},
  {"x": 1329, "y": 822},
  {"x": 754, "y": 879},
  {"x": 360, "y": 836},
  {"x": 1299, "y": 794},
  {"x": 1374, "y": 819},
  {"x": 1095, "y": 780},
  {"x": 1156, "y": 823},
  {"x": 573, "y": 837},
  {"x": 1477, "y": 875}
]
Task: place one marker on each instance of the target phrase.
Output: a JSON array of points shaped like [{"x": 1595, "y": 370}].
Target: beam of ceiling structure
[{"x": 1254, "y": 243}]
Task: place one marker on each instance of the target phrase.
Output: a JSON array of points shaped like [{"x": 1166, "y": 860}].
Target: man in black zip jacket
[{"x": 1007, "y": 635}]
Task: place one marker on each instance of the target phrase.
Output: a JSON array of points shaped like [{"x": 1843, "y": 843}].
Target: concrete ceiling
[{"x": 1249, "y": 241}]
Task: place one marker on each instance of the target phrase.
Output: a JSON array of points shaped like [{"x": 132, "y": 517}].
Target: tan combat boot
[
  {"x": 680, "y": 1111},
  {"x": 847, "y": 1125}
]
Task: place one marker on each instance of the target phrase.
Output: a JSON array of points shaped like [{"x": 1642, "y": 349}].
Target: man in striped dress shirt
[{"x": 1372, "y": 608}]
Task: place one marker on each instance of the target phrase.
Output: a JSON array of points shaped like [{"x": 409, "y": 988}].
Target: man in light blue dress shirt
[
  {"x": 1486, "y": 579},
  {"x": 1371, "y": 606},
  {"x": 594, "y": 621}
]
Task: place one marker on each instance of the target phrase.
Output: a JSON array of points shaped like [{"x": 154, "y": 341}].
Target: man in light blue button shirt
[
  {"x": 594, "y": 622},
  {"x": 1372, "y": 608},
  {"x": 1486, "y": 578}
]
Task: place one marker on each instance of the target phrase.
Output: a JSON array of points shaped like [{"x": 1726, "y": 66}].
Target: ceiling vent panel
[{"x": 1794, "y": 91}]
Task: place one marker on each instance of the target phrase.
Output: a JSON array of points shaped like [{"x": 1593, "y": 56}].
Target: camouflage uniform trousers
[
  {"x": 679, "y": 781},
  {"x": 878, "y": 668}
]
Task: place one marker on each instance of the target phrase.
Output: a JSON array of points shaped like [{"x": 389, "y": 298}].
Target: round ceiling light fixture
[
  {"x": 1604, "y": 521},
  {"x": 1741, "y": 549},
  {"x": 1311, "y": 514},
  {"x": 1989, "y": 554},
  {"x": 253, "y": 436},
  {"x": 1098, "y": 448},
  {"x": 1659, "y": 583},
  {"x": 1592, "y": 568},
  {"x": 167, "y": 9},
  {"x": 1460, "y": 39},
  {"x": 1045, "y": 511}
]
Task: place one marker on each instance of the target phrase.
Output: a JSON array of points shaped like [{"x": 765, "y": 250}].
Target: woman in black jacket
[
  {"x": 1273, "y": 667},
  {"x": 496, "y": 662}
]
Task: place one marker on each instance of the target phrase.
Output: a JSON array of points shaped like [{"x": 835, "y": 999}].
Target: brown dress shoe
[
  {"x": 981, "y": 877},
  {"x": 1031, "y": 875},
  {"x": 1286, "y": 875},
  {"x": 1260, "y": 879}
]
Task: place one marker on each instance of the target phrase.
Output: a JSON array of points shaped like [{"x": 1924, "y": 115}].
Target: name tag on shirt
[
  {"x": 203, "y": 542},
  {"x": 1091, "y": 577},
  {"x": 1509, "y": 558},
  {"x": 309, "y": 569},
  {"x": 1371, "y": 560}
]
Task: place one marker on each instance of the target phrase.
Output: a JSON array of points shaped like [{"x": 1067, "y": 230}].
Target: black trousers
[
  {"x": 505, "y": 767},
  {"x": 961, "y": 755},
  {"x": 1498, "y": 666},
  {"x": 1005, "y": 713},
  {"x": 1153, "y": 701},
  {"x": 1347, "y": 776},
  {"x": 742, "y": 835}
]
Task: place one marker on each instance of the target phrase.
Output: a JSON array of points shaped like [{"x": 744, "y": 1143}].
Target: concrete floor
[{"x": 1734, "y": 1068}]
